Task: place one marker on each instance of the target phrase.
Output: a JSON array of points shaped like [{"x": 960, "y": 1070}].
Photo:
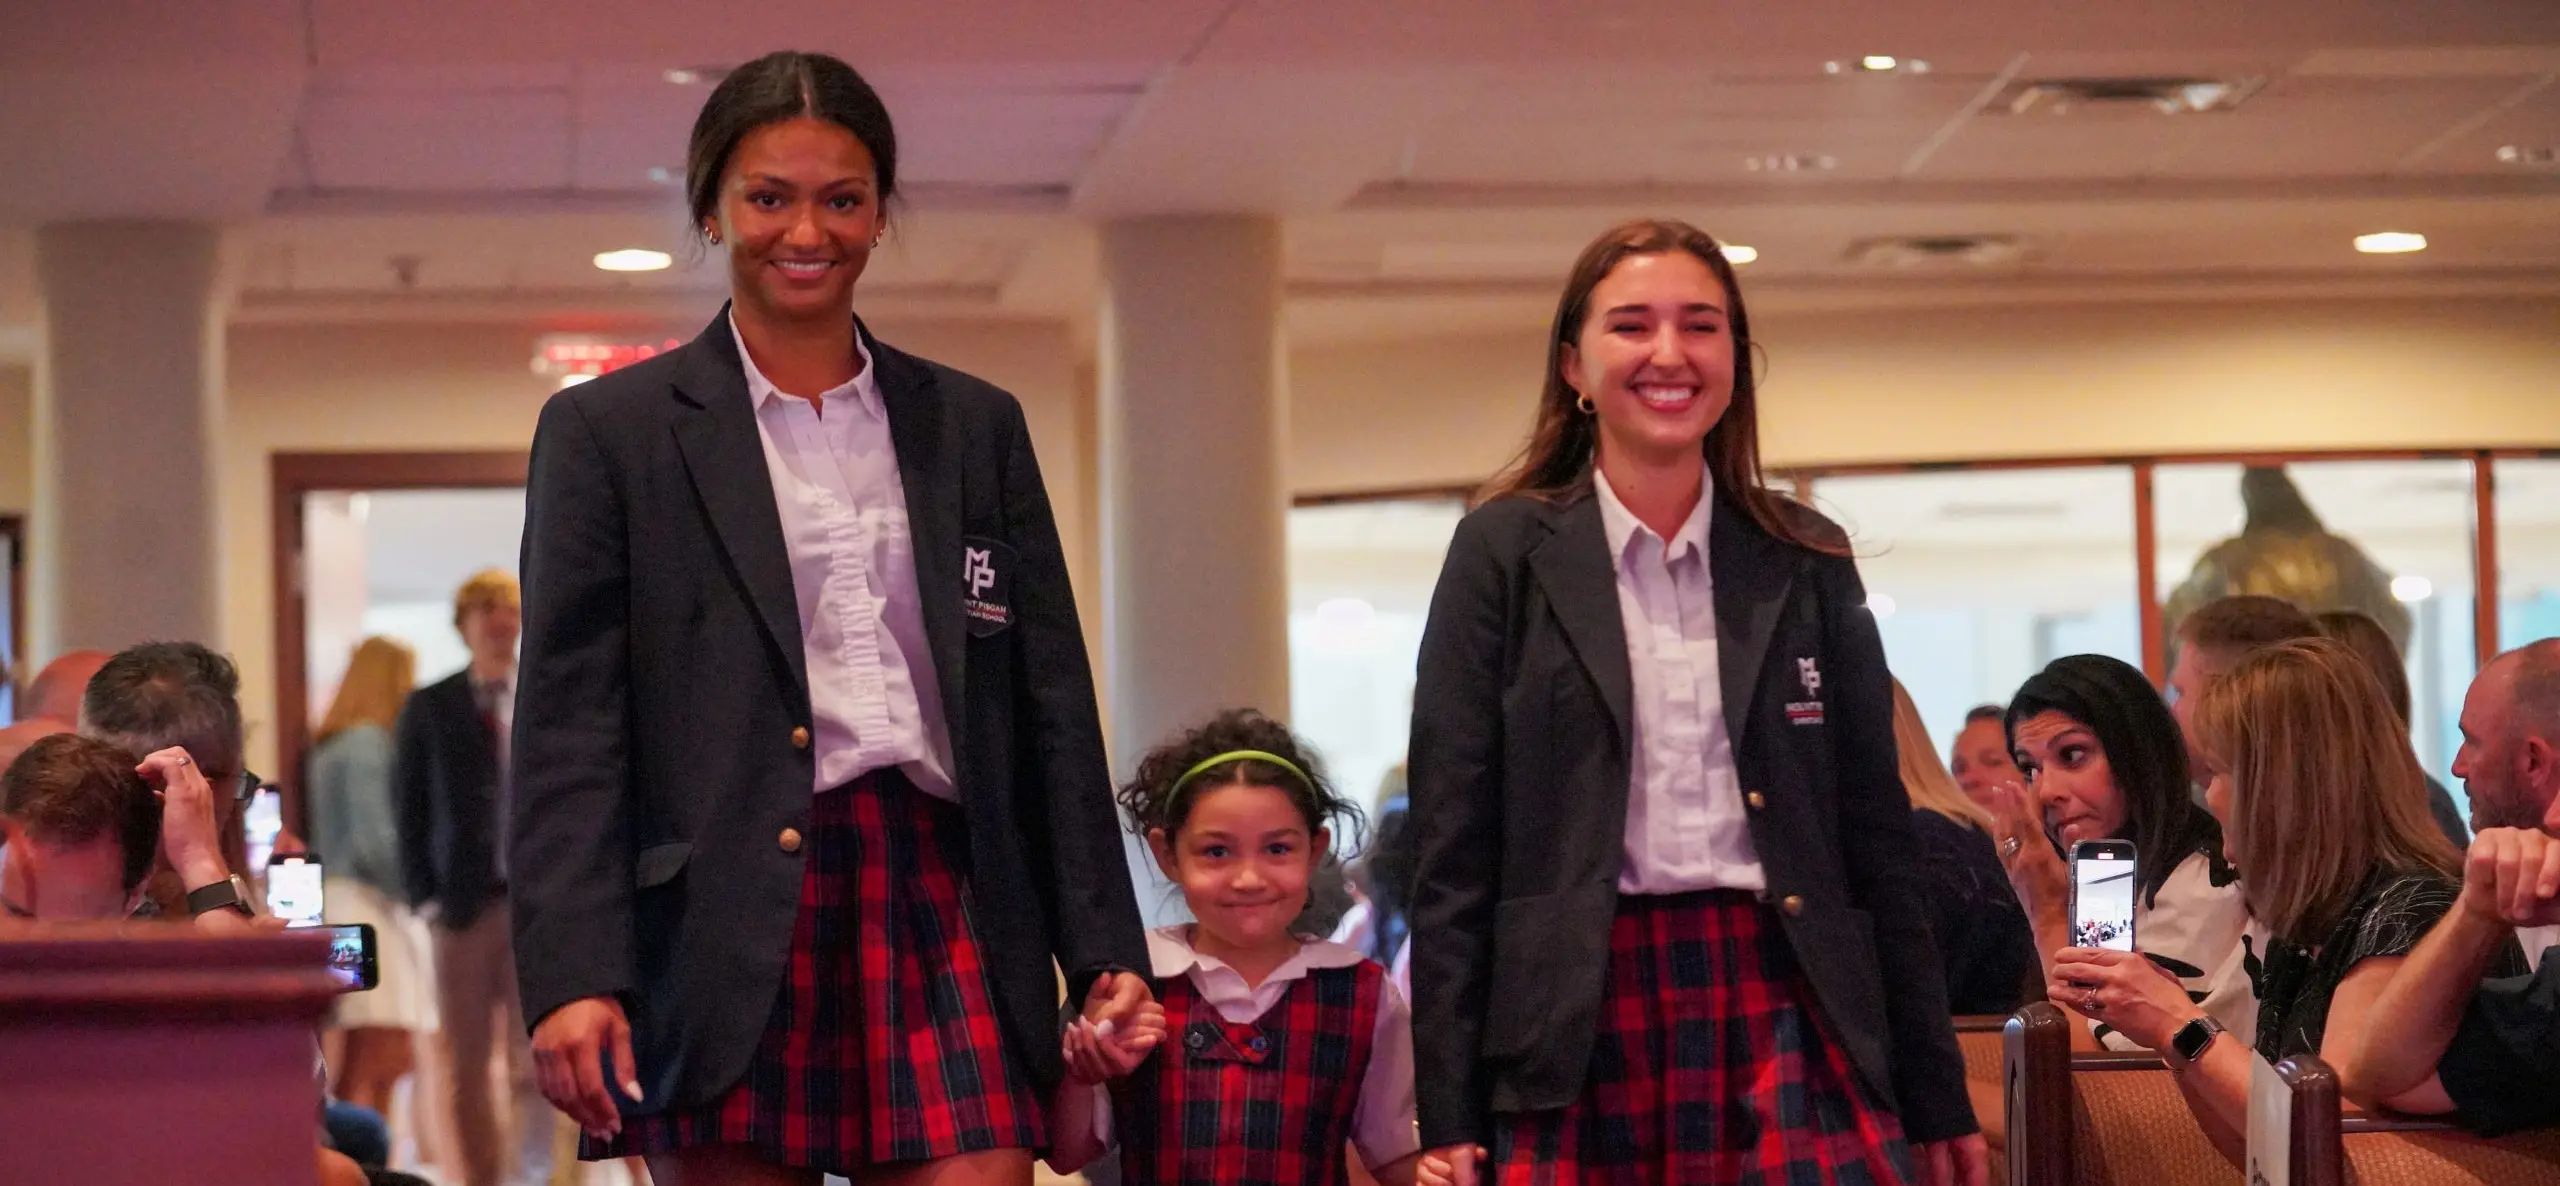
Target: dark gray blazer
[
  {"x": 1519, "y": 764},
  {"x": 445, "y": 783},
  {"x": 663, "y": 676}
]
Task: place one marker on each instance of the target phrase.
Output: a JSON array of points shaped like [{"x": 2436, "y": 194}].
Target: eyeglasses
[{"x": 250, "y": 785}]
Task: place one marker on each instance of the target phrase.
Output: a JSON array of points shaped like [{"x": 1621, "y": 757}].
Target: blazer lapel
[
  {"x": 1581, "y": 580},
  {"x": 1751, "y": 573},
  {"x": 724, "y": 455},
  {"x": 931, "y": 473}
]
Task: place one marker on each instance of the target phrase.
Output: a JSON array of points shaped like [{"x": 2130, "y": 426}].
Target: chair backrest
[
  {"x": 1978, "y": 1037},
  {"x": 2097, "y": 1119},
  {"x": 2331, "y": 1149}
]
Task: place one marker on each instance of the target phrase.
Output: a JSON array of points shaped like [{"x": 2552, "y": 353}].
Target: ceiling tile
[{"x": 429, "y": 140}]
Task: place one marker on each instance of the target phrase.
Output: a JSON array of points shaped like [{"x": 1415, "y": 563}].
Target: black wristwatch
[
  {"x": 229, "y": 892},
  {"x": 2192, "y": 1038}
]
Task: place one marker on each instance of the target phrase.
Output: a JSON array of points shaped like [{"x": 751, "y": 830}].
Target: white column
[
  {"x": 127, "y": 408},
  {"x": 1194, "y": 484}
]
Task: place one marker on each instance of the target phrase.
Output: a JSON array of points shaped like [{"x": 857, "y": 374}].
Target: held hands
[
  {"x": 1121, "y": 1024},
  {"x": 1449, "y": 1165},
  {"x": 2512, "y": 877},
  {"x": 570, "y": 1051},
  {"x": 188, "y": 836},
  {"x": 2036, "y": 871},
  {"x": 2125, "y": 990}
]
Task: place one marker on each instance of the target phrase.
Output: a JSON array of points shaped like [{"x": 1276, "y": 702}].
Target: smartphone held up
[{"x": 2102, "y": 884}]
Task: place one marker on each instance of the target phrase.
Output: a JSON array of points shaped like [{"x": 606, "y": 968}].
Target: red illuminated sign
[{"x": 561, "y": 355}]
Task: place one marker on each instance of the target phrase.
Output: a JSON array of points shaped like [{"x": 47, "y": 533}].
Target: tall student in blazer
[
  {"x": 1665, "y": 926},
  {"x": 809, "y": 780}
]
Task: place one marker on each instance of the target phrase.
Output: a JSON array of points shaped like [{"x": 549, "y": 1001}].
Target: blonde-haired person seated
[
  {"x": 1981, "y": 930},
  {"x": 2324, "y": 811}
]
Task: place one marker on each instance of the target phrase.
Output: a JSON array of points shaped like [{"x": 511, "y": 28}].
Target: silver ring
[
  {"x": 2009, "y": 847},
  {"x": 2089, "y": 1002},
  {"x": 183, "y": 759}
]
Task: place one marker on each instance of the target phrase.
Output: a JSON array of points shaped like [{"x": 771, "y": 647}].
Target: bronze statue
[{"x": 2284, "y": 551}]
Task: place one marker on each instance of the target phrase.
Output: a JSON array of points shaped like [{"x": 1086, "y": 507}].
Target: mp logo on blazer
[
  {"x": 987, "y": 569},
  {"x": 1807, "y": 711}
]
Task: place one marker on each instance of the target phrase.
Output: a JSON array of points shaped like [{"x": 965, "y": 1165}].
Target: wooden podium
[{"x": 146, "y": 1053}]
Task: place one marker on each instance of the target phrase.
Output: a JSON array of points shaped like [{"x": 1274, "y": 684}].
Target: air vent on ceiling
[
  {"x": 1918, "y": 251},
  {"x": 2165, "y": 95}
]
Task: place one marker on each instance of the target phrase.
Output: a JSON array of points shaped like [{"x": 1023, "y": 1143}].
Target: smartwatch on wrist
[
  {"x": 2192, "y": 1039},
  {"x": 230, "y": 892}
]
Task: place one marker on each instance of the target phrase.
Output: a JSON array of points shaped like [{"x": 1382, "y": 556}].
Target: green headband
[{"x": 1237, "y": 755}]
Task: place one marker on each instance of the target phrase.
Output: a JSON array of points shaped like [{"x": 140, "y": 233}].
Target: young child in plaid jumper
[{"x": 1281, "y": 1055}]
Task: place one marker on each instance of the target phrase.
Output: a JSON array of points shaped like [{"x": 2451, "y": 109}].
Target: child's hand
[
  {"x": 1452, "y": 1165},
  {"x": 1098, "y": 1049}
]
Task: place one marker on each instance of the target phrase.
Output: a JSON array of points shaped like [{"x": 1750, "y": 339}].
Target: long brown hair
[
  {"x": 378, "y": 681},
  {"x": 1561, "y": 448},
  {"x": 2324, "y": 787}
]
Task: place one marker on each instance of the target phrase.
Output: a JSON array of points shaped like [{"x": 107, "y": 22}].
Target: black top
[
  {"x": 2503, "y": 1069},
  {"x": 1522, "y": 727},
  {"x": 2390, "y": 913},
  {"x": 1982, "y": 932},
  {"x": 2447, "y": 816}
]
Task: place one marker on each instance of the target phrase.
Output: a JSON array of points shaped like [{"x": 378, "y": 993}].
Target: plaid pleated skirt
[
  {"x": 1711, "y": 1065},
  {"x": 883, "y": 1046}
]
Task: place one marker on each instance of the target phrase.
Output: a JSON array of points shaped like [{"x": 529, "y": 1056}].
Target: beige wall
[
  {"x": 354, "y": 388},
  {"x": 1981, "y": 383},
  {"x": 1842, "y": 387}
]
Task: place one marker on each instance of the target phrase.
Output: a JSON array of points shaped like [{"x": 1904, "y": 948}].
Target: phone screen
[
  {"x": 351, "y": 957},
  {"x": 293, "y": 891},
  {"x": 2102, "y": 898}
]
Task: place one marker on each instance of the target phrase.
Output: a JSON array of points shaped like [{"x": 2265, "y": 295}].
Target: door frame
[{"x": 290, "y": 476}]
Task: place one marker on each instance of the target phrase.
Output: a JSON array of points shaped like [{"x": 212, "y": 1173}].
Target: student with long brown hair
[
  {"x": 2324, "y": 811},
  {"x": 1654, "y": 791}
]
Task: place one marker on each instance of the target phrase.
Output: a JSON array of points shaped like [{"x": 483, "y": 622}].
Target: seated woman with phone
[
  {"x": 2106, "y": 768},
  {"x": 2324, "y": 810}
]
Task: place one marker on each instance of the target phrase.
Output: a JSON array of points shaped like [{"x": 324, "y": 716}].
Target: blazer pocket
[
  {"x": 1516, "y": 1003},
  {"x": 659, "y": 863}
]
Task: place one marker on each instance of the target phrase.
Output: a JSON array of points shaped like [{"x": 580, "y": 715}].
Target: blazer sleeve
[
  {"x": 1879, "y": 849},
  {"x": 1067, "y": 789},
  {"x": 1454, "y": 767},
  {"x": 570, "y": 846},
  {"x": 412, "y": 780}
]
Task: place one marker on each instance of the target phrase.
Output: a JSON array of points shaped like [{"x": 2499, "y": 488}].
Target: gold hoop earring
[{"x": 1584, "y": 402}]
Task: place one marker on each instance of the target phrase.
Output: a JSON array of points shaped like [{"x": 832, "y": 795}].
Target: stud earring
[{"x": 711, "y": 235}]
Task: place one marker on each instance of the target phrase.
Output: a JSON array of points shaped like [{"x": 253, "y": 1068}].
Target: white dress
[{"x": 2193, "y": 927}]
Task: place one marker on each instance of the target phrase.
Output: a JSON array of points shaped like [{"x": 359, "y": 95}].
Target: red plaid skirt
[
  {"x": 1711, "y": 1064},
  {"x": 884, "y": 1044}
]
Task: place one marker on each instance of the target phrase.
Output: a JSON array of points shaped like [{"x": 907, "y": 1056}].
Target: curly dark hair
[{"x": 1152, "y": 800}]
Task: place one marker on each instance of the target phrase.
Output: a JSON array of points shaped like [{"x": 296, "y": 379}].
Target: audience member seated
[
  {"x": 2465, "y": 1041},
  {"x": 1981, "y": 931},
  {"x": 2105, "y": 760},
  {"x": 2324, "y": 812},
  {"x": 2214, "y": 638},
  {"x": 2373, "y": 644},
  {"x": 183, "y": 696},
  {"x": 78, "y": 830},
  {"x": 51, "y": 703},
  {"x": 1980, "y": 760}
]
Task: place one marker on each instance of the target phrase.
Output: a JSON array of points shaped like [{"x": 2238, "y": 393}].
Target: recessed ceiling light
[
  {"x": 662, "y": 175},
  {"x": 2391, "y": 243},
  {"x": 2412, "y": 588},
  {"x": 2542, "y": 157},
  {"x": 1737, "y": 254},
  {"x": 1877, "y": 64},
  {"x": 633, "y": 259},
  {"x": 573, "y": 379},
  {"x": 694, "y": 75},
  {"x": 1791, "y": 162}
]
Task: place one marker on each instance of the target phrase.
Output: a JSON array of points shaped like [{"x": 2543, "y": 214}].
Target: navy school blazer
[
  {"x": 1519, "y": 781},
  {"x": 663, "y": 680}
]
